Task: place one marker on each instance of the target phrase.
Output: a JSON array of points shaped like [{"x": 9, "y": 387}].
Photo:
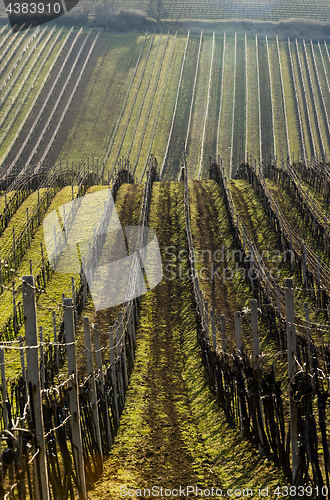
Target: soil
[
  {"x": 162, "y": 455},
  {"x": 71, "y": 113},
  {"x": 208, "y": 237}
]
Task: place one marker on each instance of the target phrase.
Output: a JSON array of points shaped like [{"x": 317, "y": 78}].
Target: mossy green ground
[{"x": 172, "y": 433}]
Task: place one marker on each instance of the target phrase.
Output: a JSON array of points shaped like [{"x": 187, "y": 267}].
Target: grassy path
[
  {"x": 214, "y": 245},
  {"x": 172, "y": 432},
  {"x": 98, "y": 111}
]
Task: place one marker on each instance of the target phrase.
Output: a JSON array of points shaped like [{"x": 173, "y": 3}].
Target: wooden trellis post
[
  {"x": 206, "y": 305},
  {"x": 223, "y": 332},
  {"x": 55, "y": 342},
  {"x": 292, "y": 369},
  {"x": 42, "y": 358},
  {"x": 120, "y": 362},
  {"x": 74, "y": 398},
  {"x": 3, "y": 386},
  {"x": 239, "y": 345},
  {"x": 92, "y": 390},
  {"x": 122, "y": 341},
  {"x": 113, "y": 377},
  {"x": 214, "y": 334},
  {"x": 254, "y": 325},
  {"x": 33, "y": 381},
  {"x": 101, "y": 378},
  {"x": 308, "y": 336}
]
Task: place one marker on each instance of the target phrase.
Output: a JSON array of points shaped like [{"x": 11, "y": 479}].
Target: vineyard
[
  {"x": 265, "y": 10},
  {"x": 237, "y": 97},
  {"x": 217, "y": 149}
]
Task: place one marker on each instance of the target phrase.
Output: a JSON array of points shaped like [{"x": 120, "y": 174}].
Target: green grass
[
  {"x": 32, "y": 92},
  {"x": 18, "y": 221},
  {"x": 240, "y": 104},
  {"x": 98, "y": 111},
  {"x": 289, "y": 98},
  {"x": 227, "y": 104},
  {"x": 253, "y": 110},
  {"x": 9, "y": 196},
  {"x": 180, "y": 127},
  {"x": 279, "y": 117},
  {"x": 23, "y": 269},
  {"x": 172, "y": 431},
  {"x": 196, "y": 127},
  {"x": 214, "y": 106}
]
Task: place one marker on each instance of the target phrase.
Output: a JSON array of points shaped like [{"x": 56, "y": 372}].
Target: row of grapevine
[
  {"x": 27, "y": 71},
  {"x": 305, "y": 99},
  {"x": 114, "y": 133},
  {"x": 301, "y": 131},
  {"x": 249, "y": 10},
  {"x": 152, "y": 100},
  {"x": 314, "y": 268},
  {"x": 233, "y": 113},
  {"x": 51, "y": 114},
  {"x": 135, "y": 96},
  {"x": 31, "y": 237},
  {"x": 259, "y": 103},
  {"x": 108, "y": 391},
  {"x": 18, "y": 100},
  {"x": 142, "y": 102},
  {"x": 138, "y": 118},
  {"x": 284, "y": 101},
  {"x": 40, "y": 89},
  {"x": 19, "y": 57},
  {"x": 60, "y": 121},
  {"x": 267, "y": 92},
  {"x": 315, "y": 106},
  {"x": 324, "y": 108},
  {"x": 24, "y": 65},
  {"x": 10, "y": 51},
  {"x": 206, "y": 110},
  {"x": 310, "y": 209},
  {"x": 246, "y": 100},
  {"x": 193, "y": 92},
  {"x": 175, "y": 108},
  {"x": 323, "y": 66},
  {"x": 159, "y": 107},
  {"x": 271, "y": 99},
  {"x": 221, "y": 91}
]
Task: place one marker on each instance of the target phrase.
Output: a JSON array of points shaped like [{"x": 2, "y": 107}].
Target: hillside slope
[{"x": 172, "y": 432}]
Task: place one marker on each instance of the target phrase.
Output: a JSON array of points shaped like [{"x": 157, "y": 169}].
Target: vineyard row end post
[{"x": 34, "y": 387}]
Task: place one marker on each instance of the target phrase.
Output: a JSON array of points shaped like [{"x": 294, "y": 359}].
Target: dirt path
[
  {"x": 166, "y": 453},
  {"x": 171, "y": 433},
  {"x": 211, "y": 235}
]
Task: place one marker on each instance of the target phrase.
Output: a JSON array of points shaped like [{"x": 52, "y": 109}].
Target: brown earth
[
  {"x": 162, "y": 454},
  {"x": 71, "y": 112}
]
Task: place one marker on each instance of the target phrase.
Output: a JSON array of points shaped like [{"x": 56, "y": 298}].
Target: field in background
[
  {"x": 265, "y": 10},
  {"x": 233, "y": 95}
]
